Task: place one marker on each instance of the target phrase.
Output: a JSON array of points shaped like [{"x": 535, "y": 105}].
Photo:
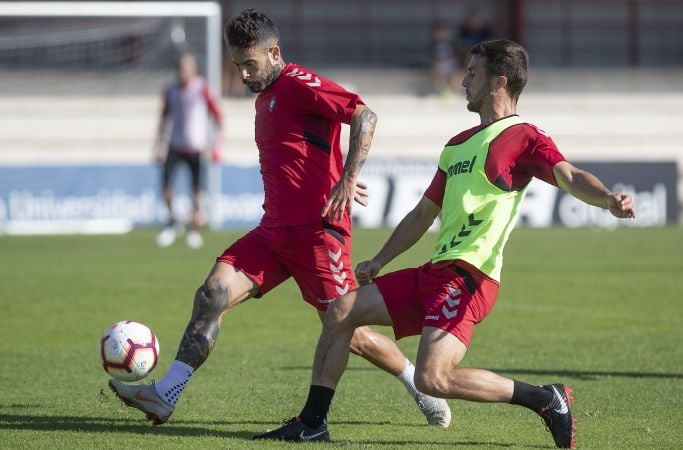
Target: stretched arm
[
  {"x": 363, "y": 122},
  {"x": 588, "y": 188},
  {"x": 411, "y": 228}
]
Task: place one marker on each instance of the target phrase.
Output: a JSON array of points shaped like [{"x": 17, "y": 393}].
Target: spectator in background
[
  {"x": 443, "y": 59},
  {"x": 183, "y": 135},
  {"x": 472, "y": 31}
]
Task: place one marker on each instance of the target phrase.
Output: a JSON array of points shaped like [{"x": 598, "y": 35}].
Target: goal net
[
  {"x": 112, "y": 48},
  {"x": 82, "y": 83}
]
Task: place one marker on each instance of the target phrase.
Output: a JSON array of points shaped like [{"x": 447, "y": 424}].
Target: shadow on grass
[
  {"x": 432, "y": 444},
  {"x": 586, "y": 374},
  {"x": 113, "y": 425},
  {"x": 116, "y": 425},
  {"x": 201, "y": 429},
  {"x": 582, "y": 374}
]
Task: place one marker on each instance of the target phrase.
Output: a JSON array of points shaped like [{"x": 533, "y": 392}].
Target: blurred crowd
[
  {"x": 449, "y": 47},
  {"x": 447, "y": 51}
]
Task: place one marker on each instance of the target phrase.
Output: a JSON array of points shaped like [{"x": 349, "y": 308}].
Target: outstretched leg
[
  {"x": 223, "y": 289},
  {"x": 364, "y": 306},
  {"x": 383, "y": 352},
  {"x": 437, "y": 374}
]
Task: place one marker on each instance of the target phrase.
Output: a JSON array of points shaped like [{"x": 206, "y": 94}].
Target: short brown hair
[{"x": 505, "y": 58}]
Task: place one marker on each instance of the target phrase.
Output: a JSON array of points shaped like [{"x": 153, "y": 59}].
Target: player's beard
[
  {"x": 476, "y": 101},
  {"x": 272, "y": 71}
]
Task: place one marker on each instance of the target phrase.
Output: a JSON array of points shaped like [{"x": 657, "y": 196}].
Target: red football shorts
[
  {"x": 318, "y": 256},
  {"x": 450, "y": 295}
]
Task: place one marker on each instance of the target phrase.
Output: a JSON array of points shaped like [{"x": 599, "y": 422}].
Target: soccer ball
[{"x": 129, "y": 350}]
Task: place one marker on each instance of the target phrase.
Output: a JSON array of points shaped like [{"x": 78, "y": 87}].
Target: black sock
[
  {"x": 533, "y": 397},
  {"x": 317, "y": 405}
]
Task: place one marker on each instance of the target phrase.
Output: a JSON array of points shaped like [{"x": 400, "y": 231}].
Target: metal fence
[{"x": 558, "y": 33}]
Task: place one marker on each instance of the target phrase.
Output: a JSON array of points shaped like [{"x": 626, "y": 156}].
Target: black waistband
[{"x": 467, "y": 278}]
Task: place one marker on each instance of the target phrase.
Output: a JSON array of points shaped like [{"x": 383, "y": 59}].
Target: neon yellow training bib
[{"x": 477, "y": 217}]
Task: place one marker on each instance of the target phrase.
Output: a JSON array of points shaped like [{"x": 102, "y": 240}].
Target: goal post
[
  {"x": 209, "y": 10},
  {"x": 101, "y": 59}
]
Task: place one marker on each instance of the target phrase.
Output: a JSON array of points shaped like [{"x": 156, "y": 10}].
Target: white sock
[
  {"x": 172, "y": 385},
  {"x": 407, "y": 378}
]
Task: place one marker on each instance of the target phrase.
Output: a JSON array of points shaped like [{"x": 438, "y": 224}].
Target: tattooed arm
[{"x": 363, "y": 124}]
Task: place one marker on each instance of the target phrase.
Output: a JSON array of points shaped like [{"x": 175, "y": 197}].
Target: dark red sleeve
[
  {"x": 520, "y": 153},
  {"x": 213, "y": 103},
  {"x": 329, "y": 100},
  {"x": 541, "y": 157},
  {"x": 437, "y": 188}
]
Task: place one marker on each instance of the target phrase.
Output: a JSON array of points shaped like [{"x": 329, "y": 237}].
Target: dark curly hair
[
  {"x": 250, "y": 28},
  {"x": 505, "y": 58}
]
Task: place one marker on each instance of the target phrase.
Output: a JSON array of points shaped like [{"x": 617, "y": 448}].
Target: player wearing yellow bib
[{"x": 480, "y": 182}]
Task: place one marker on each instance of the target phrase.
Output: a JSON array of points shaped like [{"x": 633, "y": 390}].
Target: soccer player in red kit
[{"x": 305, "y": 232}]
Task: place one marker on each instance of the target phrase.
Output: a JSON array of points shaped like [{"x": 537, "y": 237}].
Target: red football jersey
[
  {"x": 298, "y": 124},
  {"x": 519, "y": 153}
]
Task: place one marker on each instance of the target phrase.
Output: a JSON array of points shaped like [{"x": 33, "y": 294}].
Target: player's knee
[
  {"x": 362, "y": 341},
  {"x": 338, "y": 317},
  {"x": 212, "y": 300},
  {"x": 431, "y": 382}
]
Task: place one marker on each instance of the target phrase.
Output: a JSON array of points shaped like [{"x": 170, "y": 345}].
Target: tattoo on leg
[{"x": 202, "y": 331}]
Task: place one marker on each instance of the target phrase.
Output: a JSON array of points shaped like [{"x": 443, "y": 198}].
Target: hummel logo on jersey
[
  {"x": 431, "y": 317},
  {"x": 563, "y": 408},
  {"x": 304, "y": 76},
  {"x": 271, "y": 104},
  {"x": 461, "y": 167}
]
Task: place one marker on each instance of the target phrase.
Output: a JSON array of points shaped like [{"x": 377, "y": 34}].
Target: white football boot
[
  {"x": 143, "y": 397},
  {"x": 436, "y": 410}
]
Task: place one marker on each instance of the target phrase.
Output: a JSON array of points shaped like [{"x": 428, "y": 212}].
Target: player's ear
[
  {"x": 501, "y": 82},
  {"x": 274, "y": 54}
]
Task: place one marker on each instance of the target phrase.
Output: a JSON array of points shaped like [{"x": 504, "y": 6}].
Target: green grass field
[{"x": 598, "y": 310}]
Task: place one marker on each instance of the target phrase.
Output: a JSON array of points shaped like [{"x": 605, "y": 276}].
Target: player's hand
[
  {"x": 216, "y": 155},
  {"x": 621, "y": 206},
  {"x": 341, "y": 197},
  {"x": 361, "y": 196},
  {"x": 367, "y": 271},
  {"x": 217, "y": 148}
]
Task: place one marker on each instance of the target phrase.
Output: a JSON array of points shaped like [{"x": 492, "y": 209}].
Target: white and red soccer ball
[{"x": 129, "y": 350}]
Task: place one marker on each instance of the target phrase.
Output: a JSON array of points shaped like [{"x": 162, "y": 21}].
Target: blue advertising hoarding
[{"x": 118, "y": 198}]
